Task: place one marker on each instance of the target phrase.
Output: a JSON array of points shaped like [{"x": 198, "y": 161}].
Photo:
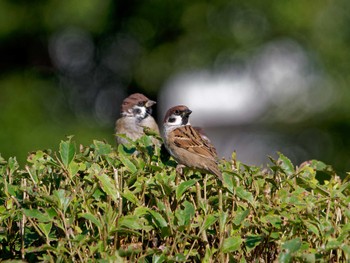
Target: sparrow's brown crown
[
  {"x": 180, "y": 110},
  {"x": 136, "y": 99}
]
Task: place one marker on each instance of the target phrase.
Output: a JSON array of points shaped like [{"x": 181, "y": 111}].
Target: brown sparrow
[
  {"x": 186, "y": 144},
  {"x": 136, "y": 113}
]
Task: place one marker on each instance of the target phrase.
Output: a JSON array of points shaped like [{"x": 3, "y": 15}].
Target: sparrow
[
  {"x": 185, "y": 143},
  {"x": 136, "y": 113}
]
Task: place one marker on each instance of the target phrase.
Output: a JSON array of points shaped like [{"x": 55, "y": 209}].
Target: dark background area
[{"x": 260, "y": 77}]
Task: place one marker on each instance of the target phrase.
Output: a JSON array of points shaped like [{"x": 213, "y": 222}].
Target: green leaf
[
  {"x": 231, "y": 244},
  {"x": 274, "y": 220},
  {"x": 240, "y": 216},
  {"x": 67, "y": 151},
  {"x": 108, "y": 186},
  {"x": 92, "y": 218},
  {"x": 222, "y": 220},
  {"x": 102, "y": 148},
  {"x": 159, "y": 220},
  {"x": 318, "y": 165},
  {"x": 180, "y": 257},
  {"x": 158, "y": 258},
  {"x": 312, "y": 228},
  {"x": 209, "y": 220},
  {"x": 73, "y": 168},
  {"x": 228, "y": 180},
  {"x": 62, "y": 199},
  {"x": 245, "y": 195},
  {"x": 309, "y": 258},
  {"x": 51, "y": 212},
  {"x": 184, "y": 216},
  {"x": 157, "y": 217},
  {"x": 183, "y": 187},
  {"x": 146, "y": 140},
  {"x": 285, "y": 164},
  {"x": 130, "y": 221},
  {"x": 346, "y": 249},
  {"x": 35, "y": 213},
  {"x": 333, "y": 244},
  {"x": 128, "y": 164},
  {"x": 292, "y": 245},
  {"x": 289, "y": 247},
  {"x": 127, "y": 194},
  {"x": 13, "y": 164},
  {"x": 45, "y": 228},
  {"x": 253, "y": 240}
]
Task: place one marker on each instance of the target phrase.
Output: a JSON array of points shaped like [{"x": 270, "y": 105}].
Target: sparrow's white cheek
[
  {"x": 174, "y": 120},
  {"x": 139, "y": 111}
]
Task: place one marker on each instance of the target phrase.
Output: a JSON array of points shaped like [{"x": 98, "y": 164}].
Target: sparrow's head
[
  {"x": 137, "y": 105},
  {"x": 177, "y": 116}
]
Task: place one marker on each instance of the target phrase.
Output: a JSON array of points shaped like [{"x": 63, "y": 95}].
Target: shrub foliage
[{"x": 131, "y": 204}]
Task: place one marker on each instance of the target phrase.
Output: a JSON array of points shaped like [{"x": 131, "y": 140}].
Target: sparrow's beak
[
  {"x": 150, "y": 103},
  {"x": 186, "y": 113}
]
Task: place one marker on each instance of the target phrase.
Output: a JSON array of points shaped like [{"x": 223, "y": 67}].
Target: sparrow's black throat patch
[
  {"x": 149, "y": 110},
  {"x": 184, "y": 120}
]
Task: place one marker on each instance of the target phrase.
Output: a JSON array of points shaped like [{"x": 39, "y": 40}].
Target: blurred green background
[{"x": 65, "y": 66}]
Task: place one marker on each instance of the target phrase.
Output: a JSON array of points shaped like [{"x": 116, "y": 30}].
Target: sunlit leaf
[
  {"x": 228, "y": 181},
  {"x": 35, "y": 213},
  {"x": 292, "y": 245},
  {"x": 46, "y": 228},
  {"x": 184, "y": 216},
  {"x": 92, "y": 218},
  {"x": 183, "y": 187},
  {"x": 333, "y": 244},
  {"x": 73, "y": 168},
  {"x": 242, "y": 193},
  {"x": 223, "y": 220},
  {"x": 312, "y": 228},
  {"x": 131, "y": 197},
  {"x": 309, "y": 258},
  {"x": 158, "y": 258},
  {"x": 13, "y": 164},
  {"x": 159, "y": 220},
  {"x": 156, "y": 217},
  {"x": 102, "y": 148},
  {"x": 62, "y": 199},
  {"x": 67, "y": 151},
  {"x": 285, "y": 164},
  {"x": 240, "y": 216},
  {"x": 128, "y": 164},
  {"x": 180, "y": 258},
  {"x": 130, "y": 221},
  {"x": 231, "y": 244},
  {"x": 108, "y": 186}
]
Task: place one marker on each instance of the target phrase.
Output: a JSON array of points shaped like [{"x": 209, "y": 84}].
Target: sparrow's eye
[
  {"x": 177, "y": 112},
  {"x": 140, "y": 103}
]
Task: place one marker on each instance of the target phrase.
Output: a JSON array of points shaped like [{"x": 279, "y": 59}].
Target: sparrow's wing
[{"x": 189, "y": 139}]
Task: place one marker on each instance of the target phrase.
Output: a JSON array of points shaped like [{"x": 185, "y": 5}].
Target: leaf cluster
[{"x": 96, "y": 203}]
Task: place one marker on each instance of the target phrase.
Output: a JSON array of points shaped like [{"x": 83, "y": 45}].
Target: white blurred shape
[
  {"x": 279, "y": 80},
  {"x": 215, "y": 99}
]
